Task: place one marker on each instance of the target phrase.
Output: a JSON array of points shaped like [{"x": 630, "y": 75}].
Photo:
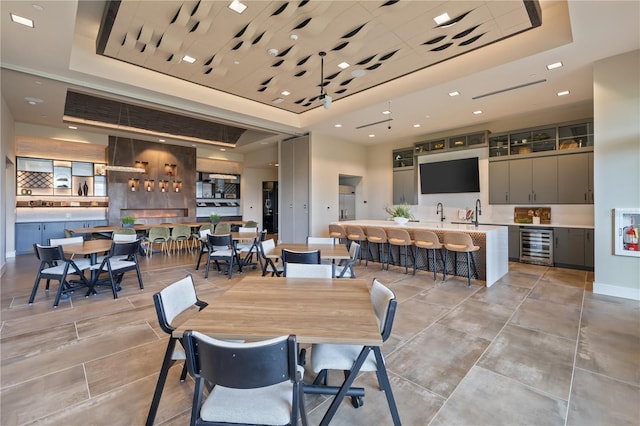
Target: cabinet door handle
[
  {"x": 529, "y": 196},
  {"x": 556, "y": 242},
  {"x": 506, "y": 196},
  {"x": 534, "y": 196}
]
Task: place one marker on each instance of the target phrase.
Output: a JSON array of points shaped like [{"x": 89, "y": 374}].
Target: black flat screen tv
[{"x": 449, "y": 177}]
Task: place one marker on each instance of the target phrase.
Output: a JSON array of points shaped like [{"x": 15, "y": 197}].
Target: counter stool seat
[
  {"x": 377, "y": 237},
  {"x": 459, "y": 242},
  {"x": 337, "y": 232},
  {"x": 401, "y": 238},
  {"x": 357, "y": 234},
  {"x": 429, "y": 241}
]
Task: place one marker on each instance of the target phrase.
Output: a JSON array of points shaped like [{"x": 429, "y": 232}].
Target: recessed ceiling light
[
  {"x": 372, "y": 135},
  {"x": 222, "y": 149},
  {"x": 236, "y": 6},
  {"x": 37, "y": 7},
  {"x": 161, "y": 140},
  {"x": 564, "y": 92},
  {"x": 337, "y": 125},
  {"x": 189, "y": 59},
  {"x": 478, "y": 112},
  {"x": 343, "y": 65},
  {"x": 22, "y": 21},
  {"x": 427, "y": 116},
  {"x": 386, "y": 112},
  {"x": 441, "y": 19},
  {"x": 293, "y": 37},
  {"x": 73, "y": 127},
  {"x": 33, "y": 101},
  {"x": 416, "y": 125},
  {"x": 193, "y": 145},
  {"x": 277, "y": 100},
  {"x": 358, "y": 73},
  {"x": 554, "y": 65},
  {"x": 285, "y": 93},
  {"x": 454, "y": 93},
  {"x": 277, "y": 164},
  {"x": 236, "y": 62}
]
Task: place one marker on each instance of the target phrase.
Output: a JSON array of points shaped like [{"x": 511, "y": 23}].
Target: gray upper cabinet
[
  {"x": 575, "y": 178},
  {"x": 404, "y": 187},
  {"x": 499, "y": 182},
  {"x": 533, "y": 180}
]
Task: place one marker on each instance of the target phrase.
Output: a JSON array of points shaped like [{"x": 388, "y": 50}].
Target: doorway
[
  {"x": 270, "y": 206},
  {"x": 347, "y": 196}
]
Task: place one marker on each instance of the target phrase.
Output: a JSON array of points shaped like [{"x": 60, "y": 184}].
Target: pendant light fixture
[{"x": 326, "y": 99}]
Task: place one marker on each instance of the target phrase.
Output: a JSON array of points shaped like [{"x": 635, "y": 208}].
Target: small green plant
[
  {"x": 214, "y": 217},
  {"x": 402, "y": 210},
  {"x": 128, "y": 220}
]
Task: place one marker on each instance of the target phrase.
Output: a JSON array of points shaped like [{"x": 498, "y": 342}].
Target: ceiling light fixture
[
  {"x": 22, "y": 21},
  {"x": 372, "y": 135},
  {"x": 416, "y": 125},
  {"x": 237, "y": 7},
  {"x": 478, "y": 112},
  {"x": 285, "y": 93},
  {"x": 188, "y": 59},
  {"x": 33, "y": 101},
  {"x": 387, "y": 112},
  {"x": 554, "y": 65},
  {"x": 326, "y": 99},
  {"x": 343, "y": 65},
  {"x": 563, "y": 93},
  {"x": 454, "y": 93},
  {"x": 441, "y": 19},
  {"x": 337, "y": 125}
]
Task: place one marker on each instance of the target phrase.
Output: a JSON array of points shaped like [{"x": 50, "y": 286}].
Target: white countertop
[{"x": 445, "y": 226}]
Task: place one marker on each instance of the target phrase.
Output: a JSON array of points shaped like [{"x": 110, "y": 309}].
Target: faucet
[
  {"x": 478, "y": 211},
  {"x": 440, "y": 211}
]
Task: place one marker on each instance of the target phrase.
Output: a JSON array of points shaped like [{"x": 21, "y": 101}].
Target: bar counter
[{"x": 492, "y": 260}]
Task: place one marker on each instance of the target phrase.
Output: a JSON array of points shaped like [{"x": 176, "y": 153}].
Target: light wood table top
[
  {"x": 327, "y": 251},
  {"x": 91, "y": 247},
  {"x": 315, "y": 310}
]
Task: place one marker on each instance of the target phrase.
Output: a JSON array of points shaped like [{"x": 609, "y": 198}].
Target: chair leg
[
  {"x": 139, "y": 277},
  {"x": 385, "y": 386},
  {"x": 162, "y": 378},
  {"x": 35, "y": 288},
  {"x": 468, "y": 269}
]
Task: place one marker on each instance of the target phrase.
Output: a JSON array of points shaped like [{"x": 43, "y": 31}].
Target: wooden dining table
[
  {"x": 330, "y": 252},
  {"x": 91, "y": 248},
  {"x": 314, "y": 310}
]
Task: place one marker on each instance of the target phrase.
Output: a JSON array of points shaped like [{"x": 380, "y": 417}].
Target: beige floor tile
[
  {"x": 557, "y": 293},
  {"x": 415, "y": 315},
  {"x": 450, "y": 293},
  {"x": 478, "y": 319},
  {"x": 535, "y": 359},
  {"x": 437, "y": 359},
  {"x": 600, "y": 400},
  {"x": 548, "y": 317},
  {"x": 501, "y": 294},
  {"x": 486, "y": 398}
]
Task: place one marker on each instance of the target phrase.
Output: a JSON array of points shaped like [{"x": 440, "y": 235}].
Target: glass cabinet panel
[{"x": 403, "y": 158}]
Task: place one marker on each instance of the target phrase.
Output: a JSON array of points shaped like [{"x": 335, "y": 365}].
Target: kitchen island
[{"x": 491, "y": 260}]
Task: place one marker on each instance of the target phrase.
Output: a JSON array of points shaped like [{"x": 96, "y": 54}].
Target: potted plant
[
  {"x": 128, "y": 221},
  {"x": 401, "y": 213},
  {"x": 214, "y": 218}
]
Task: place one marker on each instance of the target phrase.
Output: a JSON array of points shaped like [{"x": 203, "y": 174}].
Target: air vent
[{"x": 510, "y": 88}]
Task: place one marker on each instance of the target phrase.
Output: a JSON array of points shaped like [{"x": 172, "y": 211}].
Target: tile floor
[{"x": 537, "y": 348}]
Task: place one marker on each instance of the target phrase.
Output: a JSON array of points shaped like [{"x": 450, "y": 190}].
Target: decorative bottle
[{"x": 85, "y": 188}]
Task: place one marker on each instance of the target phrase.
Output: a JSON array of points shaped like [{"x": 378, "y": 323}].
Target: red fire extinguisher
[{"x": 630, "y": 238}]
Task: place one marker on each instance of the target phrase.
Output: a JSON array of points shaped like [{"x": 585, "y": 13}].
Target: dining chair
[
  {"x": 54, "y": 265},
  {"x": 124, "y": 235},
  {"x": 203, "y": 234},
  {"x": 197, "y": 235},
  {"x": 429, "y": 241},
  {"x": 326, "y": 357},
  {"x": 158, "y": 235},
  {"x": 303, "y": 270},
  {"x": 169, "y": 302},
  {"x": 308, "y": 257},
  {"x": 221, "y": 248},
  {"x": 265, "y": 248},
  {"x": 246, "y": 250},
  {"x": 251, "y": 383},
  {"x": 347, "y": 266},
  {"x": 321, "y": 240},
  {"x": 65, "y": 241},
  {"x": 251, "y": 224},
  {"x": 122, "y": 258},
  {"x": 338, "y": 232},
  {"x": 460, "y": 242},
  {"x": 180, "y": 235},
  {"x": 222, "y": 228}
]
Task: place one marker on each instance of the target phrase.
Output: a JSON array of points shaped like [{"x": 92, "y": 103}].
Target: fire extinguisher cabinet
[{"x": 627, "y": 234}]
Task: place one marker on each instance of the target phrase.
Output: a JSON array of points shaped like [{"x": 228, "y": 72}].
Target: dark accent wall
[{"x": 156, "y": 206}]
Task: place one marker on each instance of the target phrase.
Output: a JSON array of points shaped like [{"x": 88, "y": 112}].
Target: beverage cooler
[{"x": 627, "y": 232}]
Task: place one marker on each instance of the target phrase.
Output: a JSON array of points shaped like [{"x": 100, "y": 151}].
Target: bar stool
[
  {"x": 377, "y": 236},
  {"x": 429, "y": 241},
  {"x": 357, "y": 234},
  {"x": 400, "y": 238},
  {"x": 459, "y": 242},
  {"x": 337, "y": 231}
]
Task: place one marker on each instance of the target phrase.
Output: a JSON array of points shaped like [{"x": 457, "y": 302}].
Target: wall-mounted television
[{"x": 449, "y": 177}]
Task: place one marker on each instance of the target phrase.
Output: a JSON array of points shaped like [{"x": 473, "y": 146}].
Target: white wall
[
  {"x": 7, "y": 185},
  {"x": 331, "y": 158},
  {"x": 616, "y": 168}
]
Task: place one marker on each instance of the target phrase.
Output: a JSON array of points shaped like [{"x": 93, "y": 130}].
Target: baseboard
[{"x": 616, "y": 291}]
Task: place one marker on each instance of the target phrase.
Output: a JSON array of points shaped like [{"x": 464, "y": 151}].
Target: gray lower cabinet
[
  {"x": 28, "y": 234},
  {"x": 404, "y": 186},
  {"x": 575, "y": 178},
  {"x": 514, "y": 243},
  {"x": 499, "y": 182},
  {"x": 533, "y": 180},
  {"x": 573, "y": 247}
]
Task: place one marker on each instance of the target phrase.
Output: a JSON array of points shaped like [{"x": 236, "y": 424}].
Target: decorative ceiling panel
[{"x": 273, "y": 46}]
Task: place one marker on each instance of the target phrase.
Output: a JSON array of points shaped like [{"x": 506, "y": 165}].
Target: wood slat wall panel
[{"x": 218, "y": 166}]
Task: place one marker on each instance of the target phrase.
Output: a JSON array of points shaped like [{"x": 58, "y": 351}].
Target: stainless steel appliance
[
  {"x": 347, "y": 202},
  {"x": 270, "y": 206},
  {"x": 536, "y": 246}
]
